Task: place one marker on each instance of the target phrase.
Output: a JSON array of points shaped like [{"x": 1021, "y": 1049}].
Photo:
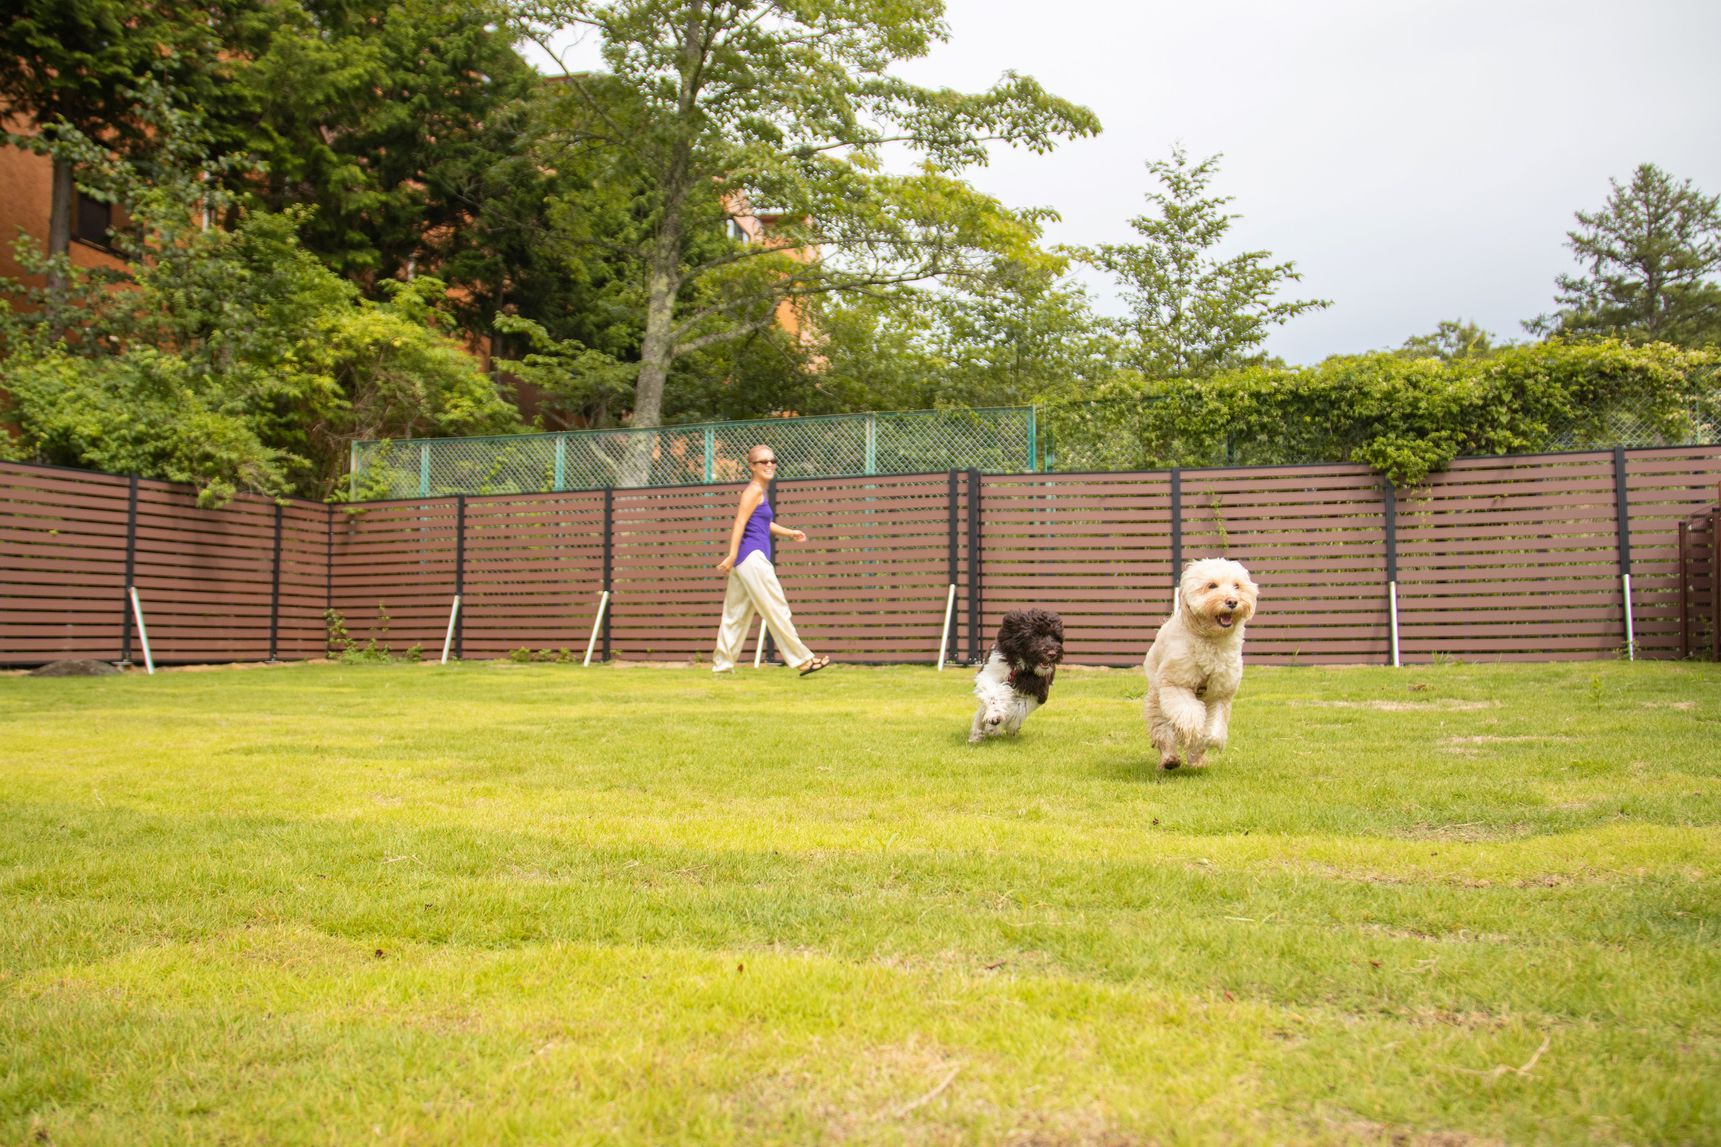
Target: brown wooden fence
[
  {"x": 1494, "y": 559},
  {"x": 248, "y": 582}
]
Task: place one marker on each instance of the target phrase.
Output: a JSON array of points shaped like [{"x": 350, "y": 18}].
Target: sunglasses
[{"x": 764, "y": 462}]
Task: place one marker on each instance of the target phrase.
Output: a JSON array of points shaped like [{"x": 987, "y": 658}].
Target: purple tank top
[{"x": 756, "y": 534}]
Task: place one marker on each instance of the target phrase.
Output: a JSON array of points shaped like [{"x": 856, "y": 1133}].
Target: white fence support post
[
  {"x": 143, "y": 633},
  {"x": 759, "y": 645},
  {"x": 597, "y": 624},
  {"x": 448, "y": 640},
  {"x": 1630, "y": 634},
  {"x": 944, "y": 638},
  {"x": 1392, "y": 596}
]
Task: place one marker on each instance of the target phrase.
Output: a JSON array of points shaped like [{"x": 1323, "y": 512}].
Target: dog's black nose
[{"x": 1230, "y": 603}]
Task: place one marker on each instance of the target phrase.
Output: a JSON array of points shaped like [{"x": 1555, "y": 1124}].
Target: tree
[
  {"x": 713, "y": 109},
  {"x": 385, "y": 115},
  {"x": 1649, "y": 256},
  {"x": 1450, "y": 340},
  {"x": 877, "y": 352},
  {"x": 76, "y": 65},
  {"x": 1193, "y": 311},
  {"x": 1017, "y": 334},
  {"x": 230, "y": 357}
]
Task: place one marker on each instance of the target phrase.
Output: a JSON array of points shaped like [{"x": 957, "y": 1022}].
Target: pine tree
[{"x": 1649, "y": 256}]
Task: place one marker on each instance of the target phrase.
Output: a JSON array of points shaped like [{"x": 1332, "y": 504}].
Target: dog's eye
[{"x": 1213, "y": 585}]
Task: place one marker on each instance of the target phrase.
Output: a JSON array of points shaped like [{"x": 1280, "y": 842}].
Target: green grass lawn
[{"x": 540, "y": 903}]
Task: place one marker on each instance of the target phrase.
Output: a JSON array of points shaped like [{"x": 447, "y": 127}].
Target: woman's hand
[
  {"x": 798, "y": 535},
  {"x": 726, "y": 565}
]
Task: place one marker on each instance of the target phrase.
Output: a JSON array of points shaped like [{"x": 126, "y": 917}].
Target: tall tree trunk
[
  {"x": 60, "y": 198},
  {"x": 656, "y": 351},
  {"x": 663, "y": 273}
]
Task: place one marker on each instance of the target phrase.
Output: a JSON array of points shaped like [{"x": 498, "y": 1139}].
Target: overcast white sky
[{"x": 1418, "y": 160}]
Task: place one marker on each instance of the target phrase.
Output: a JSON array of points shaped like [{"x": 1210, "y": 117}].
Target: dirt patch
[
  {"x": 1523, "y": 740},
  {"x": 1474, "y": 746},
  {"x": 1469, "y": 1021},
  {"x": 1369, "y": 1131},
  {"x": 225, "y": 666},
  {"x": 1549, "y": 880},
  {"x": 1395, "y": 879},
  {"x": 1474, "y": 830},
  {"x": 76, "y": 668},
  {"x": 1431, "y": 706}
]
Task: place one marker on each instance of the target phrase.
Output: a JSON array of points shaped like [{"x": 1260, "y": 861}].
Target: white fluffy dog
[{"x": 1196, "y": 662}]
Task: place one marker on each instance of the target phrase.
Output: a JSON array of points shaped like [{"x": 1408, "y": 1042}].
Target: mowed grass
[{"x": 536, "y": 903}]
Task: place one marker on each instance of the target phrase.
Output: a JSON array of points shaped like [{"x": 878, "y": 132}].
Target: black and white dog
[{"x": 1018, "y": 674}]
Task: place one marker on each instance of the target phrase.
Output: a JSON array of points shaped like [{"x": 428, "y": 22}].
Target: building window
[{"x": 92, "y": 221}]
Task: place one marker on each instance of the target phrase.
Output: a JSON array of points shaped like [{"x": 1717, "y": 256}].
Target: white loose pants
[{"x": 754, "y": 590}]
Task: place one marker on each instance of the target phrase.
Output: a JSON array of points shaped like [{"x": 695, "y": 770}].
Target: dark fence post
[
  {"x": 1715, "y": 584},
  {"x": 771, "y": 497},
  {"x": 609, "y": 564},
  {"x": 950, "y": 506},
  {"x": 975, "y": 652},
  {"x": 130, "y": 571},
  {"x": 951, "y": 562},
  {"x": 1391, "y": 514},
  {"x": 1685, "y": 572},
  {"x": 460, "y": 575},
  {"x": 1176, "y": 529},
  {"x": 1622, "y": 518},
  {"x": 275, "y": 592}
]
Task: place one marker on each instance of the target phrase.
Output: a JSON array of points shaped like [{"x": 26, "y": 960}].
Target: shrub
[{"x": 1404, "y": 417}]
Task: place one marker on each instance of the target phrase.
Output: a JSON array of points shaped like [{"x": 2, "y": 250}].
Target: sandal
[{"x": 815, "y": 665}]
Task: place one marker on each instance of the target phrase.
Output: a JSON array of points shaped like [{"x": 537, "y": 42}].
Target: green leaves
[
  {"x": 1404, "y": 417},
  {"x": 784, "y": 112},
  {"x": 1192, "y": 311},
  {"x": 1649, "y": 258},
  {"x": 229, "y": 357},
  {"x": 141, "y": 412}
]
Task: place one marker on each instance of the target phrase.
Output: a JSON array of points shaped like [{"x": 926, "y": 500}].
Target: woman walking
[{"x": 753, "y": 586}]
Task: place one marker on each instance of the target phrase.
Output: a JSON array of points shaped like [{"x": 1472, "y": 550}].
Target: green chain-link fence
[
  {"x": 1000, "y": 439},
  {"x": 996, "y": 440}
]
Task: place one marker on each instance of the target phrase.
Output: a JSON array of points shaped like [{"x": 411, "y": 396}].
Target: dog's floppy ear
[{"x": 1009, "y": 634}]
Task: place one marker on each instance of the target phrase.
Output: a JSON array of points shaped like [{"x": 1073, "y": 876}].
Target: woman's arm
[
  {"x": 750, "y": 499},
  {"x": 785, "y": 532}
]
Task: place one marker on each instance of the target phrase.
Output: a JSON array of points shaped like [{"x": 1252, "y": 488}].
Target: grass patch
[{"x": 502, "y": 902}]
